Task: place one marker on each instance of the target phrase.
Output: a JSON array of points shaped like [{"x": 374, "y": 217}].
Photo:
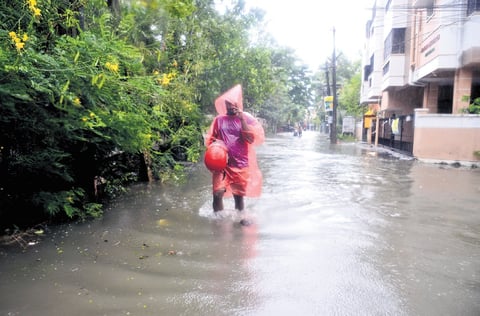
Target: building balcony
[{"x": 394, "y": 72}]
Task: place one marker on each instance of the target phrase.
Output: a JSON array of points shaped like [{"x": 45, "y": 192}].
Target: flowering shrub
[{"x": 74, "y": 102}]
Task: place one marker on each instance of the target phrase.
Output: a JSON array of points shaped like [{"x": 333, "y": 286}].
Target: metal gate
[{"x": 396, "y": 135}]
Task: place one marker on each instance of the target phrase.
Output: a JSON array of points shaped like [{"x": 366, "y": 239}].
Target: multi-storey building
[{"x": 421, "y": 70}]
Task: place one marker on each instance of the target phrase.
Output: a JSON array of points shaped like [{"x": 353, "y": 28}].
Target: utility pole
[
  {"x": 333, "y": 130},
  {"x": 328, "y": 127},
  {"x": 327, "y": 78}
]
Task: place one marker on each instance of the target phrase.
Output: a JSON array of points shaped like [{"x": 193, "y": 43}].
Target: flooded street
[{"x": 338, "y": 230}]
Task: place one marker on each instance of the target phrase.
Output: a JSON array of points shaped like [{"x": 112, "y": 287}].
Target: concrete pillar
[
  {"x": 462, "y": 88},
  {"x": 430, "y": 98}
]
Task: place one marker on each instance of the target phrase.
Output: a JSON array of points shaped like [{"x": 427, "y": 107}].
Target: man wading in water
[{"x": 239, "y": 131}]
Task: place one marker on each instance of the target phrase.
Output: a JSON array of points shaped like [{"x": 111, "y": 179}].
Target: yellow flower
[
  {"x": 32, "y": 5},
  {"x": 13, "y": 35},
  {"x": 25, "y": 37},
  {"x": 76, "y": 101},
  {"x": 92, "y": 115},
  {"x": 165, "y": 80},
  {"x": 37, "y": 12},
  {"x": 156, "y": 72},
  {"x": 84, "y": 119},
  {"x": 113, "y": 67},
  {"x": 19, "y": 45}
]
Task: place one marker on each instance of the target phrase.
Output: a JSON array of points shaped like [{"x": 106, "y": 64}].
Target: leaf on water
[{"x": 162, "y": 222}]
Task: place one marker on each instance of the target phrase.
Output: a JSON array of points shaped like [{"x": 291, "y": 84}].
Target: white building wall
[
  {"x": 396, "y": 17},
  {"x": 396, "y": 73},
  {"x": 451, "y": 33},
  {"x": 471, "y": 32},
  {"x": 371, "y": 88}
]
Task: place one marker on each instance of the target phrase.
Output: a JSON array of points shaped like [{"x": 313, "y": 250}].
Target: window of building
[
  {"x": 473, "y": 6},
  {"x": 367, "y": 72},
  {"x": 368, "y": 69},
  {"x": 398, "y": 42},
  {"x": 394, "y": 43}
]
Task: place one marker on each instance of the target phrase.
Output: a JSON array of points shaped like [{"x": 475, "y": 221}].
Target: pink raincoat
[{"x": 234, "y": 95}]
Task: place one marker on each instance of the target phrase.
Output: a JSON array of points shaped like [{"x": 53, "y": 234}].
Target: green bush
[
  {"x": 78, "y": 105},
  {"x": 474, "y": 108}
]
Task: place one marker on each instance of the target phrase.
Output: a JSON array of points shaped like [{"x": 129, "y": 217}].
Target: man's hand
[
  {"x": 239, "y": 114},
  {"x": 247, "y": 135}
]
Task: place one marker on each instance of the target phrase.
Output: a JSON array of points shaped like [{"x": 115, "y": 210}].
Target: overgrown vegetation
[
  {"x": 474, "y": 107},
  {"x": 89, "y": 103}
]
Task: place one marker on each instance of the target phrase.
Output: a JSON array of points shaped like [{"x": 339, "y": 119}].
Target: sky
[{"x": 307, "y": 26}]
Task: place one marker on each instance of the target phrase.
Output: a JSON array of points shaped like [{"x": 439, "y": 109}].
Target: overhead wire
[{"x": 453, "y": 9}]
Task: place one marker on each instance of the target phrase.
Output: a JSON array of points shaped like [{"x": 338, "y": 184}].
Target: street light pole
[{"x": 333, "y": 130}]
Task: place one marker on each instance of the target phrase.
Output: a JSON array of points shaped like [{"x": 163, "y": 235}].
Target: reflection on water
[{"x": 338, "y": 230}]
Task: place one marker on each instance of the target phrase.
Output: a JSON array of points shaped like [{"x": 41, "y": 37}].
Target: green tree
[
  {"x": 292, "y": 93},
  {"x": 349, "y": 98},
  {"x": 348, "y": 86},
  {"x": 80, "y": 109}
]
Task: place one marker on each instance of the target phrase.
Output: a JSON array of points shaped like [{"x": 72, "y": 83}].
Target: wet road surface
[{"x": 338, "y": 230}]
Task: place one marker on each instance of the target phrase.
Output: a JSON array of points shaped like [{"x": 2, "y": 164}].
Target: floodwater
[{"x": 338, "y": 230}]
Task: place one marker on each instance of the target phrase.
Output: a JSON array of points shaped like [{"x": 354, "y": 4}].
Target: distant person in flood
[
  {"x": 239, "y": 131},
  {"x": 298, "y": 130}
]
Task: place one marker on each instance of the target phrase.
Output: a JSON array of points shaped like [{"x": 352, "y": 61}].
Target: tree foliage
[
  {"x": 291, "y": 91},
  {"x": 473, "y": 108},
  {"x": 349, "y": 97},
  {"x": 348, "y": 86},
  {"x": 88, "y": 102}
]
